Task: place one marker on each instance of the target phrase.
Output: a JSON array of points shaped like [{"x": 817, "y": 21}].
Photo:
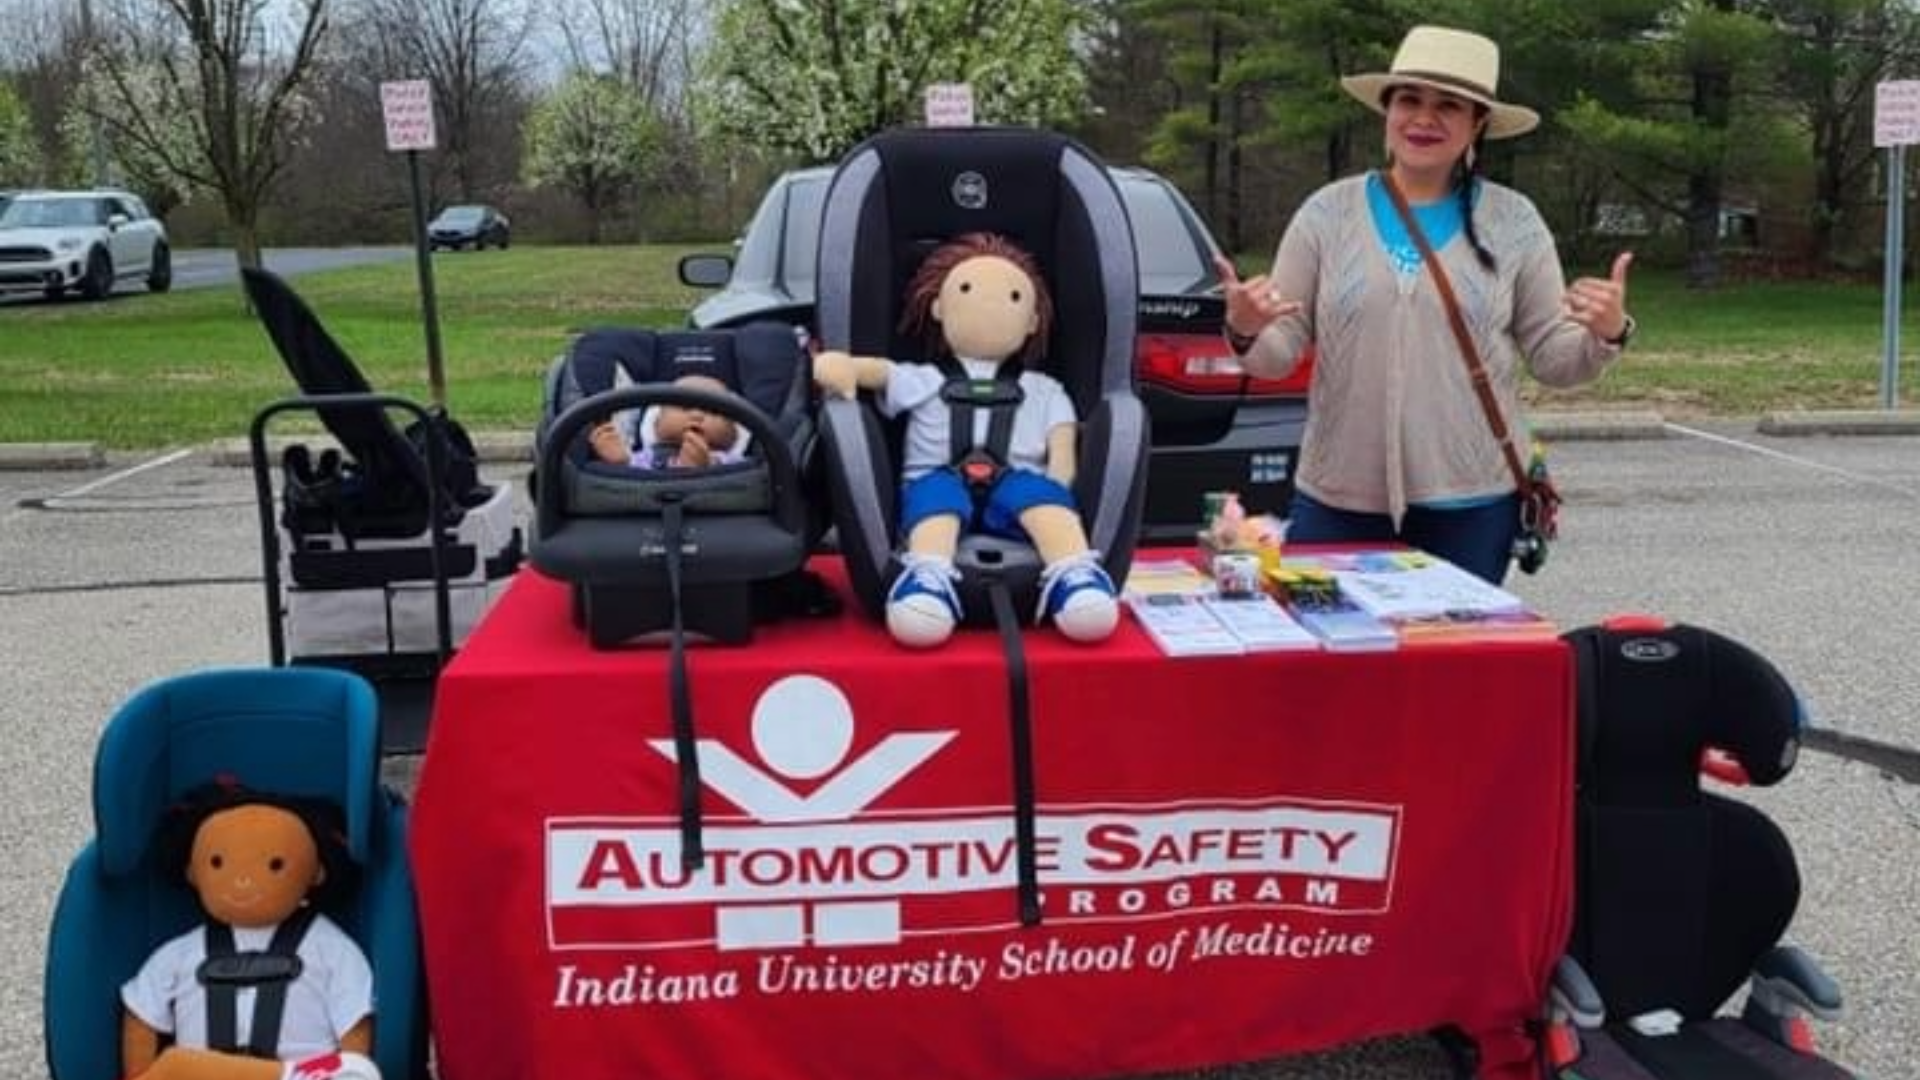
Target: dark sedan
[
  {"x": 474, "y": 227},
  {"x": 1214, "y": 428}
]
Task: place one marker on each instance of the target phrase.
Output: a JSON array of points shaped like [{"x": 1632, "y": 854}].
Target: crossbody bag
[{"x": 1539, "y": 499}]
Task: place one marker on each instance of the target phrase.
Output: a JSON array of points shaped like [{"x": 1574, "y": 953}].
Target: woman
[{"x": 1398, "y": 445}]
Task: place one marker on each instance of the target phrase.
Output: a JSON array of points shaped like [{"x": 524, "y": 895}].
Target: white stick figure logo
[{"x": 803, "y": 730}]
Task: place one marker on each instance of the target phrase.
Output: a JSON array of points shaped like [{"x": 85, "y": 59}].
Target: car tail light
[{"x": 1203, "y": 364}]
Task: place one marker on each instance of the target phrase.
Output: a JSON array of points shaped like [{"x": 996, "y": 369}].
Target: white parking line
[
  {"x": 1791, "y": 459},
  {"x": 104, "y": 481}
]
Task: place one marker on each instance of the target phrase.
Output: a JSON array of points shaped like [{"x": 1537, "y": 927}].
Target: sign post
[
  {"x": 407, "y": 107},
  {"x": 1896, "y": 126}
]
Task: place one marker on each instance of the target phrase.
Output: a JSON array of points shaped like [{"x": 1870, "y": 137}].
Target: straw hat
[{"x": 1455, "y": 61}]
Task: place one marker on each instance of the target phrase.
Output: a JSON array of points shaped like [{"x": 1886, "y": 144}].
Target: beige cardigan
[{"x": 1392, "y": 417}]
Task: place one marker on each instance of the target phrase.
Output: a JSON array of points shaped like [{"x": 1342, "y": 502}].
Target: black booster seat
[{"x": 1682, "y": 895}]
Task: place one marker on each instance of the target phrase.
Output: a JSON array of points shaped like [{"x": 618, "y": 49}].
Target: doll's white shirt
[
  {"x": 333, "y": 993},
  {"x": 915, "y": 389}
]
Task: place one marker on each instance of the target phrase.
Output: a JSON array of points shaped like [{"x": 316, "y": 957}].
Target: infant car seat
[
  {"x": 893, "y": 199},
  {"x": 304, "y": 732},
  {"x": 649, "y": 549},
  {"x": 676, "y": 552},
  {"x": 1681, "y": 895},
  {"x": 354, "y": 573}
]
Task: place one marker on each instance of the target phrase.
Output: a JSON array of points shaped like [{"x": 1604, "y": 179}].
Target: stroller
[{"x": 382, "y": 553}]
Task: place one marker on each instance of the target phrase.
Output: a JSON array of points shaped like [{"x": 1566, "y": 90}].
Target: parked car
[
  {"x": 476, "y": 227},
  {"x": 1214, "y": 428},
  {"x": 52, "y": 241}
]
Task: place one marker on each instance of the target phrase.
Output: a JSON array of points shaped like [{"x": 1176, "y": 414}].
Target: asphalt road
[
  {"x": 198, "y": 268},
  {"x": 1802, "y": 548}
]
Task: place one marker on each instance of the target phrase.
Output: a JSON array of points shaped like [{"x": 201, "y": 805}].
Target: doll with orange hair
[{"x": 982, "y": 307}]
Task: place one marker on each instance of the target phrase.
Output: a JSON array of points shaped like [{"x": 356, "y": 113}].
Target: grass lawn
[{"x": 188, "y": 367}]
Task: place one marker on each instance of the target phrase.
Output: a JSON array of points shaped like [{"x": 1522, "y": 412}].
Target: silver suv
[{"x": 52, "y": 241}]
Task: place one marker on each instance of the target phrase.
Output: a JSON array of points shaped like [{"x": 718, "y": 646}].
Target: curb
[
  {"x": 1799, "y": 422},
  {"x": 1554, "y": 426},
  {"x": 21, "y": 457},
  {"x": 516, "y": 447},
  {"x": 490, "y": 447}
]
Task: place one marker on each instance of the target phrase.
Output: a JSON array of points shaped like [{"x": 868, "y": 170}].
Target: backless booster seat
[{"x": 1681, "y": 894}]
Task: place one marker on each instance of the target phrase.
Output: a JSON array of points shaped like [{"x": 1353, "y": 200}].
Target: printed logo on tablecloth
[{"x": 823, "y": 868}]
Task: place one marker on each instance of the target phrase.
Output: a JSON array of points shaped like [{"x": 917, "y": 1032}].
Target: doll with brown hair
[
  {"x": 673, "y": 436},
  {"x": 268, "y": 988},
  {"x": 982, "y": 307}
]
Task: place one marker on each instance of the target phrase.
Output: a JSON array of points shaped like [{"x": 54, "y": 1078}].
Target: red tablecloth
[{"x": 1240, "y": 857}]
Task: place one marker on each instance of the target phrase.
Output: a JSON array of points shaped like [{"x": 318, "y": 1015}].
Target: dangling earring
[{"x": 1469, "y": 159}]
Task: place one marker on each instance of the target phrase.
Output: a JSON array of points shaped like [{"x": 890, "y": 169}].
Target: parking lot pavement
[{"x": 1803, "y": 548}]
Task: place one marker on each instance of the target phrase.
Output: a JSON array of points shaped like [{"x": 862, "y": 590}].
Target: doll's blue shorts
[{"x": 942, "y": 491}]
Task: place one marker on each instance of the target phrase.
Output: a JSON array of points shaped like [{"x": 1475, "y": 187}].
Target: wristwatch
[{"x": 1626, "y": 334}]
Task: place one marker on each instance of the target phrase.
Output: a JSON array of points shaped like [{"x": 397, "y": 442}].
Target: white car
[{"x": 52, "y": 241}]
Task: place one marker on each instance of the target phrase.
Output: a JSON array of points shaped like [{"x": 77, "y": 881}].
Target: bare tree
[
  {"x": 643, "y": 43},
  {"x": 473, "y": 52},
  {"x": 240, "y": 86}
]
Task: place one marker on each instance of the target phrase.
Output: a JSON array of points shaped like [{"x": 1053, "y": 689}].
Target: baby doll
[
  {"x": 681, "y": 438},
  {"x": 256, "y": 862},
  {"x": 981, "y": 299}
]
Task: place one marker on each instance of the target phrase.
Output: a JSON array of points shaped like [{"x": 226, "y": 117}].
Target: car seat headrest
[
  {"x": 906, "y": 191},
  {"x": 297, "y": 731},
  {"x": 1653, "y": 698},
  {"x": 759, "y": 362}
]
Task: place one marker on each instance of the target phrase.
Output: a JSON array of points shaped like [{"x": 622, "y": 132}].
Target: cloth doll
[
  {"x": 258, "y": 863},
  {"x": 674, "y": 437},
  {"x": 980, "y": 300}
]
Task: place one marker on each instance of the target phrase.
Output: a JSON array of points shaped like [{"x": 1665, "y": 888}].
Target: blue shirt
[{"x": 1440, "y": 220}]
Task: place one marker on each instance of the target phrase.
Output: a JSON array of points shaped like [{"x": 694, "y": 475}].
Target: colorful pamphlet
[{"x": 1182, "y": 626}]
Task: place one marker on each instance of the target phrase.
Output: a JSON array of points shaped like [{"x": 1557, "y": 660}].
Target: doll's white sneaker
[
  {"x": 922, "y": 608},
  {"x": 1077, "y": 594}
]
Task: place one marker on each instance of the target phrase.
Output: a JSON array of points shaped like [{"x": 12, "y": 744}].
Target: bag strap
[{"x": 1476, "y": 371}]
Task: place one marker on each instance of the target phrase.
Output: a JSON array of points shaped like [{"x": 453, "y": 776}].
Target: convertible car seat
[
  {"x": 1681, "y": 895},
  {"x": 297, "y": 731},
  {"x": 356, "y": 577},
  {"x": 893, "y": 199}
]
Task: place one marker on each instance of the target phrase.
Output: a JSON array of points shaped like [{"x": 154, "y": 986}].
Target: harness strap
[
  {"x": 1020, "y": 723},
  {"x": 963, "y": 398},
  {"x": 680, "y": 697},
  {"x": 270, "y": 990}
]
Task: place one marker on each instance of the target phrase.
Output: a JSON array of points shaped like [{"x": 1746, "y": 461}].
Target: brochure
[
  {"x": 1260, "y": 623},
  {"x": 1182, "y": 626}
]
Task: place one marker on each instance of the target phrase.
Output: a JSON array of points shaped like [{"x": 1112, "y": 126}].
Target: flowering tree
[
  {"x": 224, "y": 69},
  {"x": 135, "y": 97},
  {"x": 594, "y": 137},
  {"x": 19, "y": 155},
  {"x": 810, "y": 78}
]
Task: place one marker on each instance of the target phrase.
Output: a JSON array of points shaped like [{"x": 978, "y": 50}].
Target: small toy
[{"x": 258, "y": 862}]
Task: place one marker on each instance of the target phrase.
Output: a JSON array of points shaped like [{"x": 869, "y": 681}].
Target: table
[{"x": 1240, "y": 857}]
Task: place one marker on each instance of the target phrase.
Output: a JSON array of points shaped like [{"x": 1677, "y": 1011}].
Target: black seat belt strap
[
  {"x": 226, "y": 972},
  {"x": 1000, "y": 420},
  {"x": 270, "y": 1000},
  {"x": 223, "y": 1023},
  {"x": 680, "y": 698},
  {"x": 1020, "y": 724},
  {"x": 959, "y": 413}
]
